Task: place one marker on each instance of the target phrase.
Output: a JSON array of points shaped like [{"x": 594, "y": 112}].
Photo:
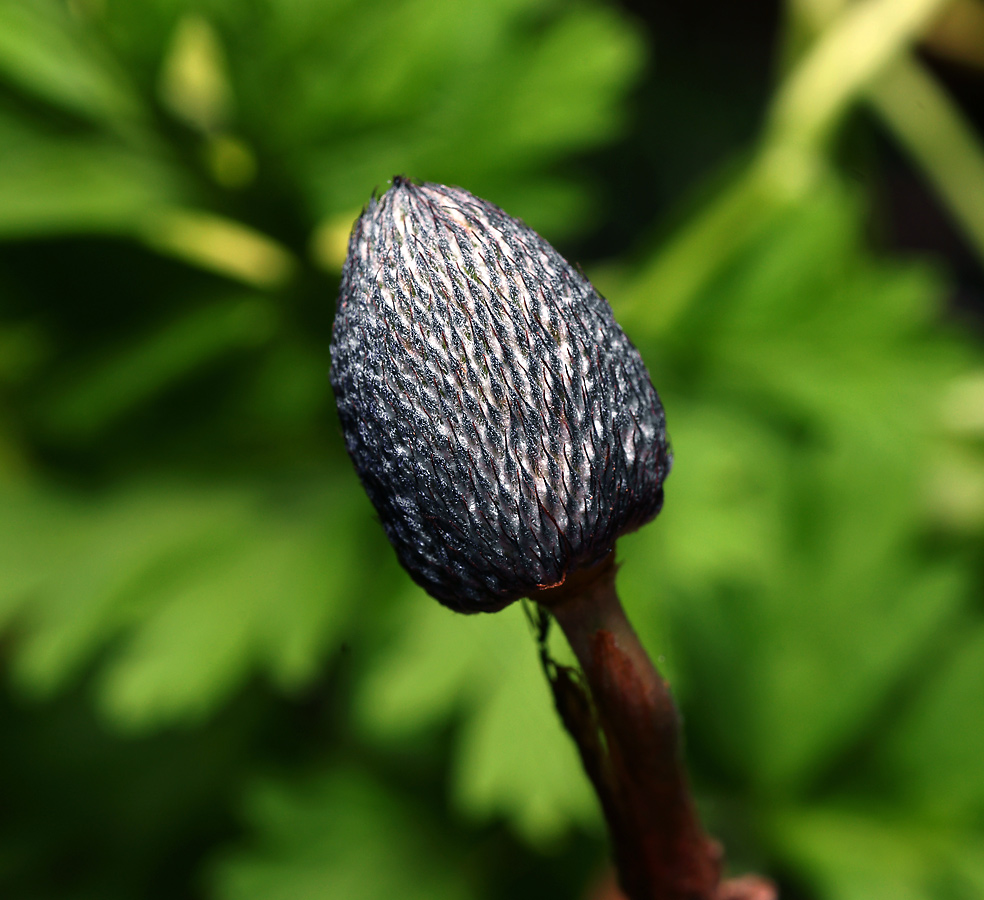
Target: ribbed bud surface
[{"x": 504, "y": 427}]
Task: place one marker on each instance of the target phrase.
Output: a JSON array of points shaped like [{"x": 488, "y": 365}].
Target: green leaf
[
  {"x": 31, "y": 522},
  {"x": 520, "y": 96},
  {"x": 341, "y": 835},
  {"x": 792, "y": 598},
  {"x": 933, "y": 758},
  {"x": 43, "y": 51},
  {"x": 58, "y": 186},
  {"x": 513, "y": 757},
  {"x": 851, "y": 854},
  {"x": 194, "y": 589}
]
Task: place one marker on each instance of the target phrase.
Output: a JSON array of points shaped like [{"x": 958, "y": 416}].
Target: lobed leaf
[
  {"x": 513, "y": 758},
  {"x": 192, "y": 589}
]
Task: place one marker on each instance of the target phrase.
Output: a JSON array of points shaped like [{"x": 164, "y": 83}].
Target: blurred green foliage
[{"x": 217, "y": 682}]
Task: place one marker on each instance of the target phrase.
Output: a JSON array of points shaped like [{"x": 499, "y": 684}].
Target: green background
[{"x": 215, "y": 680}]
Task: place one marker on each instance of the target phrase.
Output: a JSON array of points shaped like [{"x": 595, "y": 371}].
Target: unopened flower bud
[{"x": 504, "y": 427}]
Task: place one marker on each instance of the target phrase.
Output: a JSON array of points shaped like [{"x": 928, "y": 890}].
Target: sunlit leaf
[
  {"x": 195, "y": 588},
  {"x": 513, "y": 757},
  {"x": 858, "y": 855},
  {"x": 522, "y": 97},
  {"x": 44, "y": 51},
  {"x": 82, "y": 185},
  {"x": 784, "y": 561},
  {"x": 933, "y": 758}
]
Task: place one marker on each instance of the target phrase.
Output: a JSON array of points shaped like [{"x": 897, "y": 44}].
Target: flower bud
[{"x": 504, "y": 427}]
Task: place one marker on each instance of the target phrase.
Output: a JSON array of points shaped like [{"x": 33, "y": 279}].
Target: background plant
[{"x": 216, "y": 680}]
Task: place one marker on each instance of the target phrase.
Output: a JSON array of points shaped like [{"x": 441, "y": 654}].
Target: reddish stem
[{"x": 629, "y": 738}]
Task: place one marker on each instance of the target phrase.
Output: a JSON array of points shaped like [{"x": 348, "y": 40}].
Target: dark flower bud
[{"x": 503, "y": 425}]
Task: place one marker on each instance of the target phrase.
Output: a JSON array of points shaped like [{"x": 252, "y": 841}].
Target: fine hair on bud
[{"x": 503, "y": 425}]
